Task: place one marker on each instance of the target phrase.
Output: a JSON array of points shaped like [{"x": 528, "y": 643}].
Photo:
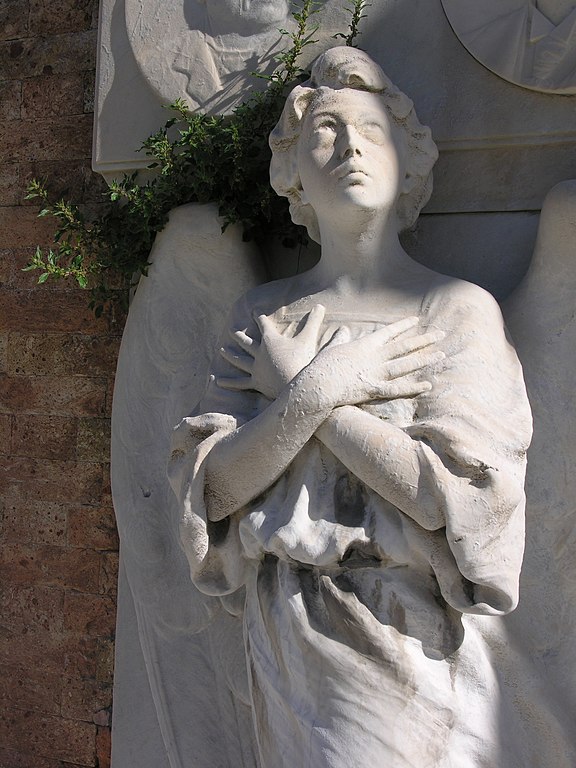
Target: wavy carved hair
[{"x": 345, "y": 67}]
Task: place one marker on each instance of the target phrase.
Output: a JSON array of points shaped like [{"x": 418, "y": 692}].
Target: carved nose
[{"x": 350, "y": 144}]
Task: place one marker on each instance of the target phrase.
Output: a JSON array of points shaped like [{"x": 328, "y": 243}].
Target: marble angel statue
[
  {"x": 348, "y": 492},
  {"x": 352, "y": 480}
]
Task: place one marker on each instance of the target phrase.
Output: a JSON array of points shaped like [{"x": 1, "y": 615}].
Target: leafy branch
[
  {"x": 197, "y": 158},
  {"x": 356, "y": 10}
]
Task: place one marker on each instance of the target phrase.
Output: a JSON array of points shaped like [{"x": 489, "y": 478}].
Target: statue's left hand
[{"x": 267, "y": 366}]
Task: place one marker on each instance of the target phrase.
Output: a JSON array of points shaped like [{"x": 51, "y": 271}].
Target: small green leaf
[{"x": 43, "y": 277}]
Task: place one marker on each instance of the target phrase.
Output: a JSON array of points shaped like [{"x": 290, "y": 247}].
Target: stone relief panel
[
  {"x": 206, "y": 50},
  {"x": 531, "y": 43}
]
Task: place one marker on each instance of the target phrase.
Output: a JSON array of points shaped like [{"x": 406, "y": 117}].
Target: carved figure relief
[
  {"x": 529, "y": 42},
  {"x": 351, "y": 482},
  {"x": 206, "y": 50}
]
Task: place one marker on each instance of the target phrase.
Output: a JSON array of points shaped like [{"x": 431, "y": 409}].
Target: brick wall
[{"x": 58, "y": 541}]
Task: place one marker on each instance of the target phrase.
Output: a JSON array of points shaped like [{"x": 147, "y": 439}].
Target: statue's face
[{"x": 350, "y": 154}]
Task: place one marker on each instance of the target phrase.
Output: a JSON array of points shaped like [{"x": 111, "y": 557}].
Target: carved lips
[{"x": 351, "y": 171}]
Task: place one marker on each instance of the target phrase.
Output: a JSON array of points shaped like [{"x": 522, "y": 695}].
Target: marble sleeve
[{"x": 475, "y": 426}]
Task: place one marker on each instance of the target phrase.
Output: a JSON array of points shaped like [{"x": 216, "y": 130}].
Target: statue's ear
[{"x": 301, "y": 101}]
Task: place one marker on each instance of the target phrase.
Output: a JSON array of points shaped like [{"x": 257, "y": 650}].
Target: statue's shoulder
[{"x": 455, "y": 297}]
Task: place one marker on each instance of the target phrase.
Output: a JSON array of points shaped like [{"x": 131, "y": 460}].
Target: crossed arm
[{"x": 316, "y": 394}]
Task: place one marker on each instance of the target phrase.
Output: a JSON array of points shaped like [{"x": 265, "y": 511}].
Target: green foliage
[
  {"x": 356, "y": 11},
  {"x": 197, "y": 158}
]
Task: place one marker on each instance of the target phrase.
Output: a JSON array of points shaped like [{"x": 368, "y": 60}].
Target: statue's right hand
[
  {"x": 268, "y": 365},
  {"x": 377, "y": 366}
]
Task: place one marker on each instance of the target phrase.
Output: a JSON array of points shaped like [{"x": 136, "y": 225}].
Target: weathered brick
[
  {"x": 73, "y": 396},
  {"x": 11, "y": 758},
  {"x": 5, "y": 433},
  {"x": 68, "y": 179},
  {"x": 109, "y": 573},
  {"x": 93, "y": 440},
  {"x": 13, "y": 19},
  {"x": 103, "y": 747},
  {"x": 45, "y": 480},
  {"x": 57, "y": 139},
  {"x": 14, "y": 260},
  {"x": 106, "y": 497},
  {"x": 57, "y": 54},
  {"x": 105, "y": 660},
  {"x": 31, "y": 609},
  {"x": 31, "y": 688},
  {"x": 27, "y": 521},
  {"x": 39, "y": 650},
  {"x": 86, "y": 657},
  {"x": 92, "y": 615},
  {"x": 47, "y": 736},
  {"x": 109, "y": 397},
  {"x": 92, "y": 527},
  {"x": 44, "y": 565},
  {"x": 6, "y": 266},
  {"x": 47, "y": 310},
  {"x": 89, "y": 92},
  {"x": 86, "y": 699},
  {"x": 52, "y": 96},
  {"x": 10, "y": 100},
  {"x": 95, "y": 188},
  {"x": 60, "y": 16},
  {"x": 52, "y": 437},
  {"x": 21, "y": 227},
  {"x": 10, "y": 193},
  {"x": 4, "y": 352},
  {"x": 61, "y": 354}
]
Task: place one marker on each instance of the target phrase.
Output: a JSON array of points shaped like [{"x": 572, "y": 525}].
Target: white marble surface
[{"x": 531, "y": 43}]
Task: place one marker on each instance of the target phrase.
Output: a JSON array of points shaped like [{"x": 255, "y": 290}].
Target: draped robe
[{"x": 360, "y": 615}]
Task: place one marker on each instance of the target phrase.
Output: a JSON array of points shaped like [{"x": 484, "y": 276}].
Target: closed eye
[
  {"x": 374, "y": 132},
  {"x": 325, "y": 125}
]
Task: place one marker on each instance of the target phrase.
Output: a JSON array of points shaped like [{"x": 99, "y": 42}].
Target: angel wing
[
  {"x": 180, "y": 693},
  {"x": 541, "y": 317}
]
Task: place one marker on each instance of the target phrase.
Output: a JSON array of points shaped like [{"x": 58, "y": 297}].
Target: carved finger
[
  {"x": 413, "y": 362},
  {"x": 340, "y": 336},
  {"x": 244, "y": 341},
  {"x": 289, "y": 329},
  {"x": 242, "y": 362},
  {"x": 267, "y": 325},
  {"x": 239, "y": 383},
  {"x": 394, "y": 330},
  {"x": 313, "y": 322},
  {"x": 406, "y": 386},
  {"x": 402, "y": 347}
]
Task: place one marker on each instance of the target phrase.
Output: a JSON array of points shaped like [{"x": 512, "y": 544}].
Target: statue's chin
[
  {"x": 362, "y": 197},
  {"x": 249, "y": 17}
]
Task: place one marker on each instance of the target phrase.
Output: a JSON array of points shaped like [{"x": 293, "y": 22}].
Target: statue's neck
[{"x": 362, "y": 258}]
